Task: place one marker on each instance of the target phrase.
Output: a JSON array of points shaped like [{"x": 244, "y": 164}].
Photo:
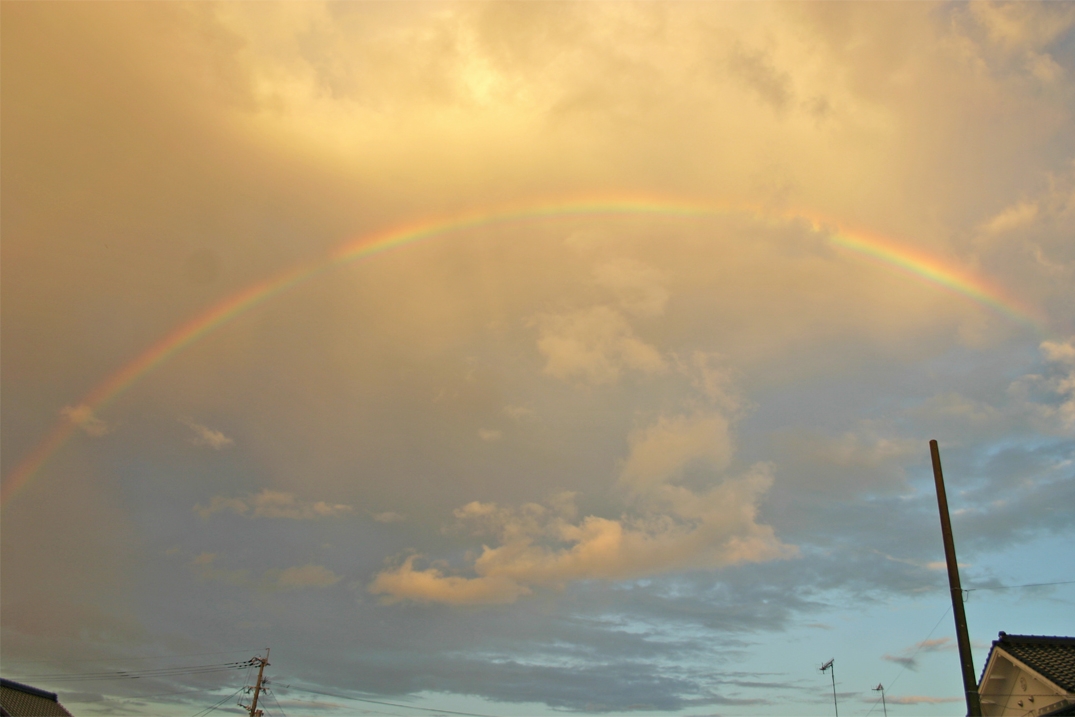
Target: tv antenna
[
  {"x": 828, "y": 667},
  {"x": 881, "y": 688}
]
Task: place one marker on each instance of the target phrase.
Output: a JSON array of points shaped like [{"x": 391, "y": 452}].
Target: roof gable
[{"x": 1052, "y": 657}]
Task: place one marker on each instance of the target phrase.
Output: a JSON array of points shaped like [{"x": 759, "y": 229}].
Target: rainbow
[{"x": 914, "y": 262}]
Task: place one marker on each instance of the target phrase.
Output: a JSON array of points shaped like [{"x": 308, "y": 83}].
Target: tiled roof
[
  {"x": 19, "y": 700},
  {"x": 1051, "y": 657}
]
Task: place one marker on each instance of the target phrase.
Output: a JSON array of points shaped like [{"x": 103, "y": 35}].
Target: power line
[
  {"x": 911, "y": 658},
  {"x": 388, "y": 704},
  {"x": 1012, "y": 587},
  {"x": 272, "y": 694},
  {"x": 159, "y": 672},
  {"x": 156, "y": 657},
  {"x": 207, "y": 710}
]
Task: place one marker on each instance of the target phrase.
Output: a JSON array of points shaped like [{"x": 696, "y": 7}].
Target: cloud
[
  {"x": 1013, "y": 217},
  {"x": 951, "y": 405},
  {"x": 638, "y": 287},
  {"x": 596, "y": 345},
  {"x": 294, "y": 578},
  {"x": 866, "y": 458},
  {"x": 489, "y": 434},
  {"x": 273, "y": 504},
  {"x": 305, "y": 576},
  {"x": 432, "y": 585},
  {"x": 205, "y": 436},
  {"x": 710, "y": 376},
  {"x": 1038, "y": 394},
  {"x": 518, "y": 412},
  {"x": 83, "y": 417},
  {"x": 389, "y": 516},
  {"x": 672, "y": 526},
  {"x": 757, "y": 71},
  {"x": 661, "y": 451},
  {"x": 909, "y": 657}
]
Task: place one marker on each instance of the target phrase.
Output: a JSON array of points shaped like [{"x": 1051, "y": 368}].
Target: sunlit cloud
[
  {"x": 205, "y": 436},
  {"x": 273, "y": 504},
  {"x": 388, "y": 516},
  {"x": 671, "y": 526},
  {"x": 206, "y": 567},
  {"x": 87, "y": 421},
  {"x": 589, "y": 351},
  {"x": 594, "y": 345},
  {"x": 638, "y": 287}
]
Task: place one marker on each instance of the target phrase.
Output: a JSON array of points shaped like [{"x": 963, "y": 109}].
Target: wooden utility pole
[
  {"x": 262, "y": 662},
  {"x": 970, "y": 684}
]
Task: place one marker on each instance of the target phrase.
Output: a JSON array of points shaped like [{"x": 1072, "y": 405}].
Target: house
[
  {"x": 1029, "y": 675},
  {"x": 19, "y": 700}
]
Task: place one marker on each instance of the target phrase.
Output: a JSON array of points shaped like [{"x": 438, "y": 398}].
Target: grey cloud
[{"x": 755, "y": 68}]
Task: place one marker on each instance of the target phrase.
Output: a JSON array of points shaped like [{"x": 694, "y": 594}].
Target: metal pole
[
  {"x": 834, "y": 705},
  {"x": 966, "y": 659},
  {"x": 830, "y": 666},
  {"x": 881, "y": 688}
]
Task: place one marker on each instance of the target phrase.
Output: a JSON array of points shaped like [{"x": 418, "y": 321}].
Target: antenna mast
[{"x": 830, "y": 665}]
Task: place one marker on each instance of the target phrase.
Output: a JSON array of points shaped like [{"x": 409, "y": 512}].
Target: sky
[{"x": 523, "y": 359}]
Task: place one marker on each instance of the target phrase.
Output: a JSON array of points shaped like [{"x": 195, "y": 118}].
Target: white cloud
[
  {"x": 84, "y": 417},
  {"x": 205, "y": 436},
  {"x": 595, "y": 344},
  {"x": 489, "y": 434},
  {"x": 273, "y": 504},
  {"x": 388, "y": 516}
]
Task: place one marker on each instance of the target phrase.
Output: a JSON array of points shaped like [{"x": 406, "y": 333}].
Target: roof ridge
[
  {"x": 1004, "y": 637},
  {"x": 36, "y": 691}
]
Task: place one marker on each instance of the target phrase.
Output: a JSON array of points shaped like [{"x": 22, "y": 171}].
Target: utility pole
[
  {"x": 881, "y": 688},
  {"x": 827, "y": 667},
  {"x": 970, "y": 684},
  {"x": 262, "y": 663}
]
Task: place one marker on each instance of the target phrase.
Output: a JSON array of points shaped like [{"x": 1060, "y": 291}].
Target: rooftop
[{"x": 1051, "y": 657}]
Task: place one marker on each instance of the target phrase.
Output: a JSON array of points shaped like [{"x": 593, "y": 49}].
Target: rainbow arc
[{"x": 925, "y": 267}]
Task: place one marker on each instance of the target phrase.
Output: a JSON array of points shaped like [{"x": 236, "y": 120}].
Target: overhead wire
[
  {"x": 910, "y": 659},
  {"x": 387, "y": 704},
  {"x": 151, "y": 657},
  {"x": 949, "y": 609},
  {"x": 159, "y": 672},
  {"x": 213, "y": 708},
  {"x": 273, "y": 695},
  {"x": 1012, "y": 587}
]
